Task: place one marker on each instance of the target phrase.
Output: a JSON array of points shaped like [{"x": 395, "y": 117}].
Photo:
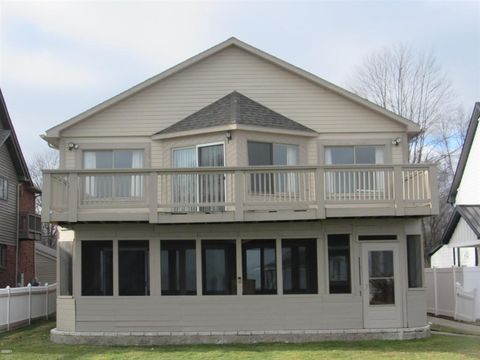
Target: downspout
[{"x": 18, "y": 233}]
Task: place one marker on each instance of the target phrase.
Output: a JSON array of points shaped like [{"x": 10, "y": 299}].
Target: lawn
[{"x": 33, "y": 343}]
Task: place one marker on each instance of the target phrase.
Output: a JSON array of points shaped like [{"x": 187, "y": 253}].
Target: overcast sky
[{"x": 58, "y": 59}]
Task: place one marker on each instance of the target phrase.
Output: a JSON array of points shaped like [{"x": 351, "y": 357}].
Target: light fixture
[
  {"x": 72, "y": 146},
  {"x": 396, "y": 141},
  {"x": 228, "y": 135}
]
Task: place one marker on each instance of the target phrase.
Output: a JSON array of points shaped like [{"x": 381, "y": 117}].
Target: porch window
[
  {"x": 97, "y": 268},
  {"x": 348, "y": 155},
  {"x": 178, "y": 267},
  {"x": 299, "y": 258},
  {"x": 414, "y": 259},
  {"x": 219, "y": 267},
  {"x": 125, "y": 187},
  {"x": 133, "y": 267},
  {"x": 259, "y": 267},
  {"x": 339, "y": 264}
]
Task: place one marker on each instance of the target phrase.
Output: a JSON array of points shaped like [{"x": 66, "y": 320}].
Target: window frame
[
  {"x": 145, "y": 147},
  {"x": 354, "y": 148},
  {"x": 181, "y": 245},
  {"x": 261, "y": 244},
  {"x": 313, "y": 270},
  {"x": 350, "y": 259},
  {"x": 272, "y": 151},
  {"x": 4, "y": 188}
]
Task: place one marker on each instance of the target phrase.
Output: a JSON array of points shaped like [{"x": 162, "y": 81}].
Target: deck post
[
  {"x": 73, "y": 186},
  {"x": 398, "y": 190},
  {"x": 433, "y": 184},
  {"x": 152, "y": 194},
  {"x": 239, "y": 194},
  {"x": 320, "y": 192}
]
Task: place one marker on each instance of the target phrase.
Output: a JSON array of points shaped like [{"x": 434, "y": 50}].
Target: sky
[{"x": 58, "y": 59}]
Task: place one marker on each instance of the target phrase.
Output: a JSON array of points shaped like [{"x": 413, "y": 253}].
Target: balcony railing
[
  {"x": 239, "y": 194},
  {"x": 29, "y": 226}
]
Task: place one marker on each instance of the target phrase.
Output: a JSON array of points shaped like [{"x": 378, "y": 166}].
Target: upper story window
[
  {"x": 354, "y": 155},
  {"x": 113, "y": 159},
  {"x": 262, "y": 153},
  {"x": 3, "y": 188}
]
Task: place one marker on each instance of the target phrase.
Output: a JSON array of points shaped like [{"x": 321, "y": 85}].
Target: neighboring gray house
[{"x": 235, "y": 198}]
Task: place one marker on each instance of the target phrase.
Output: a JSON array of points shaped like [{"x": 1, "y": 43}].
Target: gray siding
[
  {"x": 45, "y": 268},
  {"x": 8, "y": 209}
]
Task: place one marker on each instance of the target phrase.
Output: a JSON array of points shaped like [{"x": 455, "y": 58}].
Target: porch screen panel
[
  {"x": 339, "y": 275},
  {"x": 97, "y": 268},
  {"x": 259, "y": 267},
  {"x": 414, "y": 259},
  {"x": 178, "y": 267},
  {"x": 133, "y": 267},
  {"x": 219, "y": 267},
  {"x": 299, "y": 265},
  {"x": 184, "y": 186}
]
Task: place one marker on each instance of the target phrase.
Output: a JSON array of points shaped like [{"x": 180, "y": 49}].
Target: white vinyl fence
[
  {"x": 19, "y": 306},
  {"x": 454, "y": 292}
]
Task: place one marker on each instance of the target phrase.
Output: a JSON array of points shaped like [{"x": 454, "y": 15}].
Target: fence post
[
  {"x": 454, "y": 292},
  {"x": 46, "y": 301},
  {"x": 435, "y": 290},
  {"x": 8, "y": 308},
  {"x": 29, "y": 303}
]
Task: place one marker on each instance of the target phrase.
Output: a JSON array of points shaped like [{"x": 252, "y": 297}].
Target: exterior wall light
[
  {"x": 72, "y": 146},
  {"x": 396, "y": 141}
]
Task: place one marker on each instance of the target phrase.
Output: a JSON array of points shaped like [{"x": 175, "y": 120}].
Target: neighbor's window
[
  {"x": 3, "y": 188},
  {"x": 414, "y": 259},
  {"x": 133, "y": 267},
  {"x": 354, "y": 155},
  {"x": 3, "y": 256},
  {"x": 299, "y": 264},
  {"x": 65, "y": 251},
  {"x": 259, "y": 267},
  {"x": 219, "y": 267},
  {"x": 339, "y": 264},
  {"x": 178, "y": 267},
  {"x": 97, "y": 268}
]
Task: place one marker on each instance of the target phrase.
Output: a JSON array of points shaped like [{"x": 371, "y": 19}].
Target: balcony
[
  {"x": 227, "y": 194},
  {"x": 29, "y": 226}
]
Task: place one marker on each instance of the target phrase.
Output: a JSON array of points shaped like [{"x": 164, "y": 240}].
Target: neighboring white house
[
  {"x": 461, "y": 240},
  {"x": 238, "y": 198}
]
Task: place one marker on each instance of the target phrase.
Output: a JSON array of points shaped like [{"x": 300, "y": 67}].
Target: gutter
[{"x": 18, "y": 233}]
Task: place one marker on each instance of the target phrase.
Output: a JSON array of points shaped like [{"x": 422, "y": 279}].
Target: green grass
[
  {"x": 451, "y": 330},
  {"x": 33, "y": 343}
]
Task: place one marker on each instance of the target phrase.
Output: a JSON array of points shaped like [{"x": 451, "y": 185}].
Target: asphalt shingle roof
[{"x": 235, "y": 108}]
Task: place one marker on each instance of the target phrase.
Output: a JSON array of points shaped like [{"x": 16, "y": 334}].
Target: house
[
  {"x": 20, "y": 226},
  {"x": 460, "y": 244},
  {"x": 237, "y": 198},
  {"x": 45, "y": 264}
]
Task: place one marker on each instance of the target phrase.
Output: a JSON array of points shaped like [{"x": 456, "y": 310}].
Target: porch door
[
  {"x": 381, "y": 286},
  {"x": 211, "y": 186}
]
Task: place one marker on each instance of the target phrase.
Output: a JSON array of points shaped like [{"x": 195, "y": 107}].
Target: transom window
[
  {"x": 3, "y": 188},
  {"x": 354, "y": 155}
]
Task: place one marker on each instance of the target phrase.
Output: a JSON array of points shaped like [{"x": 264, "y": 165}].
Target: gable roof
[
  {"x": 54, "y": 132},
  {"x": 11, "y": 141},
  {"x": 469, "y": 213},
  {"x": 235, "y": 108},
  {"x": 462, "y": 162}
]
